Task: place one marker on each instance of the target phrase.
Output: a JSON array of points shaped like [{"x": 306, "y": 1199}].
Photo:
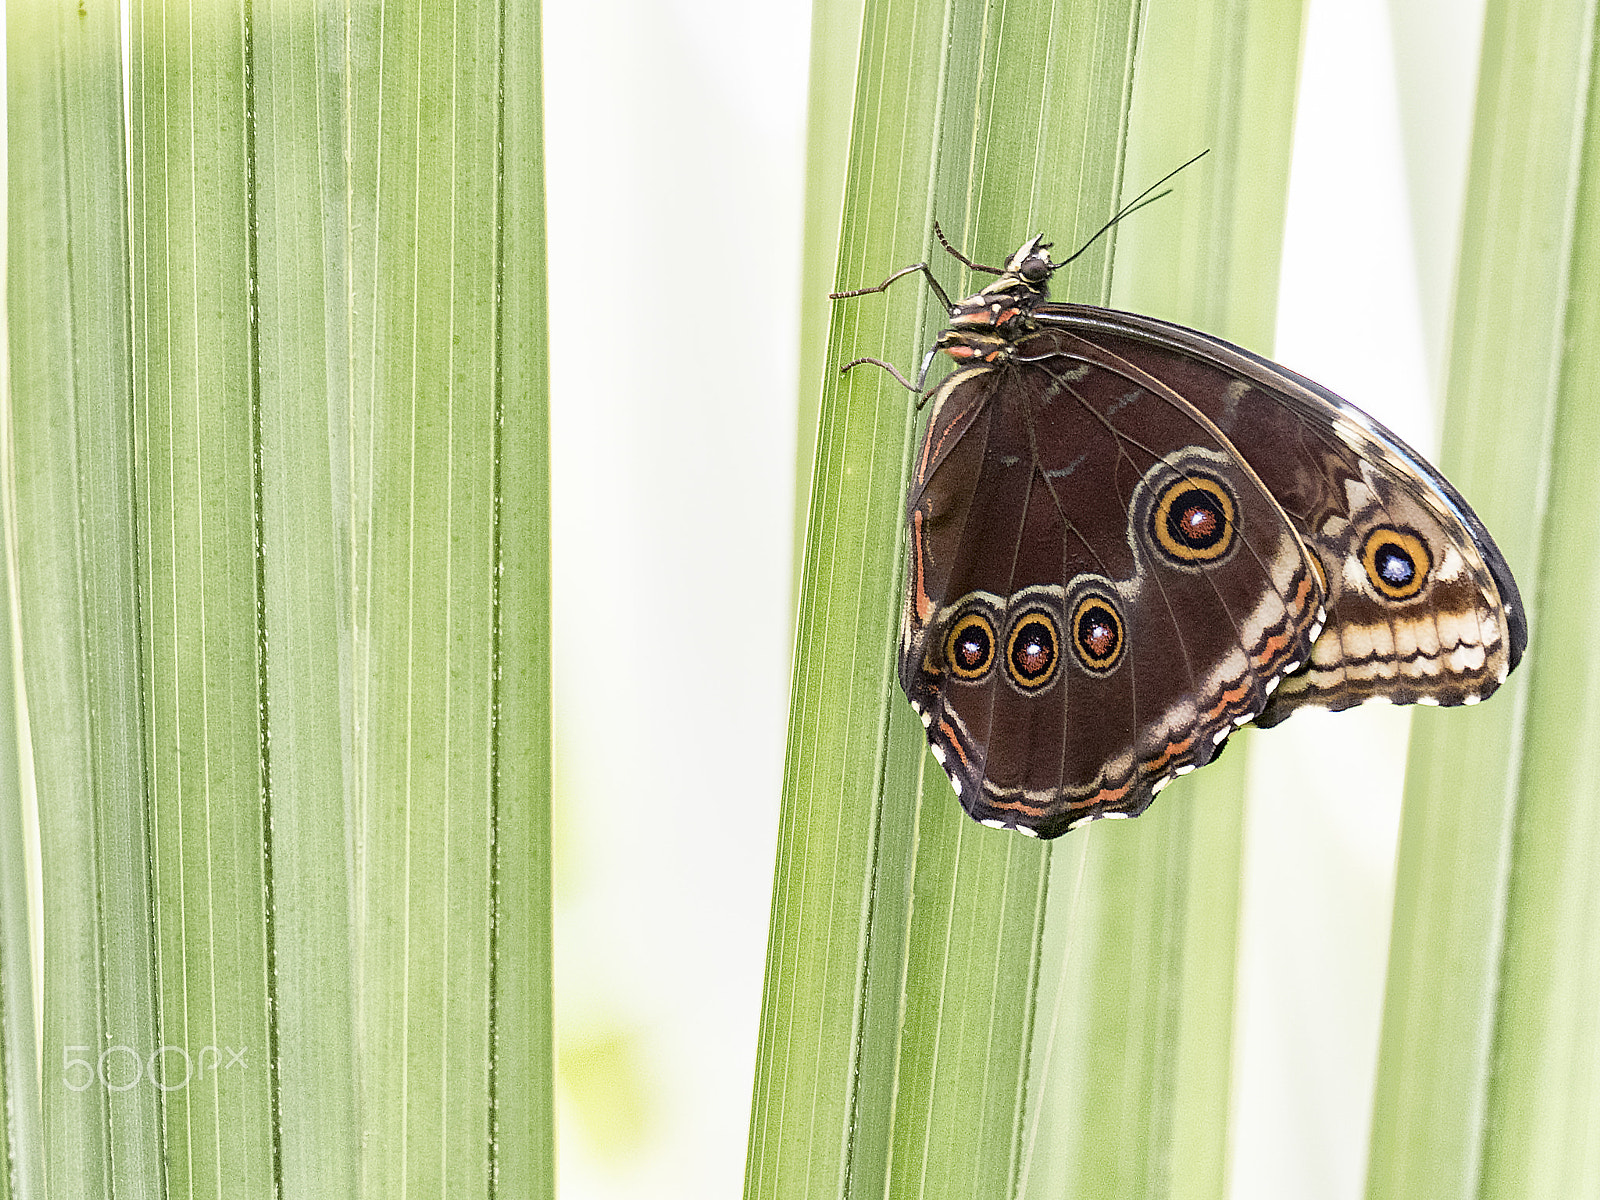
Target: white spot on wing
[{"x": 1451, "y": 566}]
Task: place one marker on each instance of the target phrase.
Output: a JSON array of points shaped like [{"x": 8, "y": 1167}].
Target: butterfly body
[{"x": 1126, "y": 539}]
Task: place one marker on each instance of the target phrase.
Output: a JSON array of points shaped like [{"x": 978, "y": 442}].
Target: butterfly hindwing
[
  {"x": 1421, "y": 604},
  {"x": 1065, "y": 673}
]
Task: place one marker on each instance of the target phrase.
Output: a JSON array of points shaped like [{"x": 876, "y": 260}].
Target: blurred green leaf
[
  {"x": 283, "y": 534},
  {"x": 905, "y": 1049},
  {"x": 1486, "y": 1086},
  {"x": 68, "y": 330}
]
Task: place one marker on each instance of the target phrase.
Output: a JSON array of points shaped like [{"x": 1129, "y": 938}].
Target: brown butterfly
[{"x": 1127, "y": 538}]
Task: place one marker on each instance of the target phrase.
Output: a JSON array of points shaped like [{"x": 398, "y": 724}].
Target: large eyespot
[
  {"x": 1396, "y": 561},
  {"x": 1097, "y": 633},
  {"x": 1194, "y": 519},
  {"x": 1033, "y": 649},
  {"x": 969, "y": 646}
]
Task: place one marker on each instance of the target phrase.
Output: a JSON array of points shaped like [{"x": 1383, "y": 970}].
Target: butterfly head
[
  {"x": 1021, "y": 284},
  {"x": 1031, "y": 263}
]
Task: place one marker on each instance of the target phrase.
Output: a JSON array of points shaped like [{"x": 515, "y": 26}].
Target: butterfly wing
[
  {"x": 1421, "y": 604},
  {"x": 1099, "y": 591}
]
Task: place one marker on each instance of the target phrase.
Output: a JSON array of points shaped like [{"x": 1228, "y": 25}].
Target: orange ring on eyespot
[
  {"x": 1097, "y": 633},
  {"x": 1396, "y": 561},
  {"x": 1033, "y": 649},
  {"x": 969, "y": 646},
  {"x": 1194, "y": 519}
]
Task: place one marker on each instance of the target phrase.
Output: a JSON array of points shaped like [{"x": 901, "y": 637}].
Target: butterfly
[{"x": 1126, "y": 539}]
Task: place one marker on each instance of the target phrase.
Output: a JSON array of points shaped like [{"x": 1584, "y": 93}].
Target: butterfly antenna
[{"x": 1143, "y": 199}]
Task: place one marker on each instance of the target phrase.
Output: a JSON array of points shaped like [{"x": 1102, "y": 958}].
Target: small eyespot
[
  {"x": 1194, "y": 519},
  {"x": 1033, "y": 649},
  {"x": 1097, "y": 632},
  {"x": 969, "y": 646},
  {"x": 1396, "y": 562}
]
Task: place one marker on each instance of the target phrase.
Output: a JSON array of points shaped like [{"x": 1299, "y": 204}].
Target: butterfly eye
[
  {"x": 1036, "y": 269},
  {"x": 1032, "y": 650},
  {"x": 1097, "y": 633},
  {"x": 969, "y": 646},
  {"x": 1194, "y": 519},
  {"x": 1396, "y": 561}
]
